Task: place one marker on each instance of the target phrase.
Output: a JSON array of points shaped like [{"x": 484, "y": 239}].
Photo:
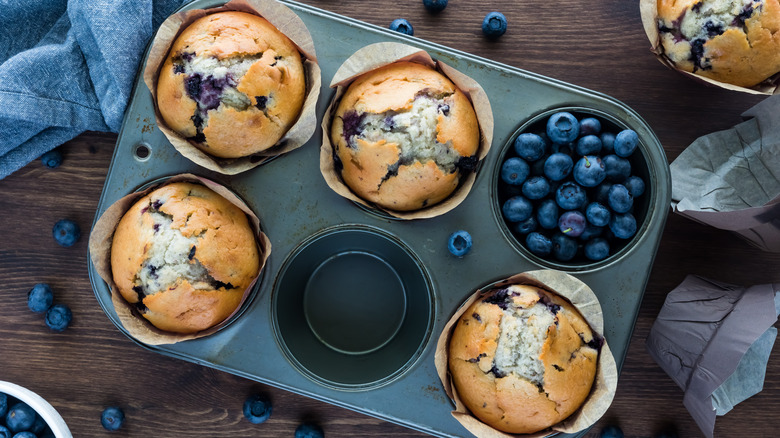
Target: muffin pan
[{"x": 351, "y": 302}]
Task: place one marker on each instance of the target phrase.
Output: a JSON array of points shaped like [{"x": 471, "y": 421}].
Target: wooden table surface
[{"x": 596, "y": 44}]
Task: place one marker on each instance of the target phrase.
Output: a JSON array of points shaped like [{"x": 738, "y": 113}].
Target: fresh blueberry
[
  {"x": 620, "y": 200},
  {"x": 459, "y": 243},
  {"x": 494, "y": 25},
  {"x": 527, "y": 226},
  {"x": 4, "y": 432},
  {"x": 623, "y": 226},
  {"x": 570, "y": 196},
  {"x": 517, "y": 209},
  {"x": 3, "y": 404},
  {"x": 564, "y": 248},
  {"x": 617, "y": 168},
  {"x": 536, "y": 187},
  {"x": 402, "y": 25},
  {"x": 588, "y": 145},
  {"x": 58, "y": 317},
  {"x": 25, "y": 434},
  {"x": 257, "y": 408},
  {"x": 435, "y": 5},
  {"x": 558, "y": 166},
  {"x": 607, "y": 142},
  {"x": 601, "y": 194},
  {"x": 514, "y": 171},
  {"x": 597, "y": 214},
  {"x": 539, "y": 244},
  {"x": 625, "y": 143},
  {"x": 52, "y": 159},
  {"x": 547, "y": 214},
  {"x": 309, "y": 430},
  {"x": 39, "y": 426},
  {"x": 589, "y": 171},
  {"x": 635, "y": 186},
  {"x": 596, "y": 249},
  {"x": 590, "y": 232},
  {"x": 40, "y": 298},
  {"x": 112, "y": 418},
  {"x": 572, "y": 223},
  {"x": 530, "y": 146},
  {"x": 66, "y": 232},
  {"x": 611, "y": 432},
  {"x": 563, "y": 127},
  {"x": 20, "y": 417},
  {"x": 590, "y": 126}
]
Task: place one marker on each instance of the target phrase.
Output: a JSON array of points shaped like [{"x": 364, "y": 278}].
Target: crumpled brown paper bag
[{"x": 731, "y": 179}]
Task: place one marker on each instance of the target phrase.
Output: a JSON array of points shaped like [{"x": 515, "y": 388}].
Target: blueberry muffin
[
  {"x": 522, "y": 359},
  {"x": 731, "y": 41},
  {"x": 184, "y": 255},
  {"x": 232, "y": 84},
  {"x": 403, "y": 136}
]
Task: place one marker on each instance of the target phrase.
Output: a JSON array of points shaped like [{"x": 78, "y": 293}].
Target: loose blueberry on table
[
  {"x": 402, "y": 25},
  {"x": 66, "y": 232},
  {"x": 459, "y": 243},
  {"x": 52, "y": 159},
  {"x": 567, "y": 187},
  {"x": 257, "y": 408},
  {"x": 58, "y": 317},
  {"x": 611, "y": 432},
  {"x": 494, "y": 25},
  {"x": 40, "y": 298},
  {"x": 112, "y": 418},
  {"x": 309, "y": 430},
  {"x": 435, "y": 5}
]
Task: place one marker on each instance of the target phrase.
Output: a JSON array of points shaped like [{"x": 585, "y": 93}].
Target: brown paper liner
[
  {"x": 604, "y": 386},
  {"x": 101, "y": 238},
  {"x": 649, "y": 12},
  {"x": 380, "y": 54},
  {"x": 289, "y": 24}
]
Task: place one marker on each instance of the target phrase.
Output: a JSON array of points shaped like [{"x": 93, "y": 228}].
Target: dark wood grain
[{"x": 596, "y": 44}]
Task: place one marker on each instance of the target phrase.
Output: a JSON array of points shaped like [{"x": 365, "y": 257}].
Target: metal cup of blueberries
[{"x": 573, "y": 188}]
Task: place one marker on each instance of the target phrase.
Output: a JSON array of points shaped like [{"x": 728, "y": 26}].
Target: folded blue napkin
[{"x": 67, "y": 67}]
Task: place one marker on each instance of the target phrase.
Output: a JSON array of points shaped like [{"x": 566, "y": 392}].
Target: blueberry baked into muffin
[
  {"x": 522, "y": 359},
  {"x": 232, "y": 84},
  {"x": 184, "y": 255},
  {"x": 403, "y": 136},
  {"x": 731, "y": 41}
]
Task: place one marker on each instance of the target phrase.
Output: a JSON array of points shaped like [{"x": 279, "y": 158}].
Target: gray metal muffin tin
[{"x": 284, "y": 337}]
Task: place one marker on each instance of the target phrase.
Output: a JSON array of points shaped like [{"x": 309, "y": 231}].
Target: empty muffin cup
[{"x": 352, "y": 307}]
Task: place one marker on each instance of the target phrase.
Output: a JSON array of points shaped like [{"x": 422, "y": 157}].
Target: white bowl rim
[{"x": 41, "y": 406}]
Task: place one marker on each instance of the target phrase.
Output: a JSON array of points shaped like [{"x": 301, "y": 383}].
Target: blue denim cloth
[{"x": 67, "y": 67}]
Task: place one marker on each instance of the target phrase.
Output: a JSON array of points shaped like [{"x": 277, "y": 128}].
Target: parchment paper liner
[
  {"x": 377, "y": 55},
  {"x": 100, "y": 240},
  {"x": 289, "y": 24},
  {"x": 649, "y": 12},
  {"x": 604, "y": 386}
]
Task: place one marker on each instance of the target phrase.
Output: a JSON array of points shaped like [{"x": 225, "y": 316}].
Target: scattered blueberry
[
  {"x": 40, "y": 298},
  {"x": 530, "y": 147},
  {"x": 570, "y": 196},
  {"x": 517, "y": 209},
  {"x": 626, "y": 142},
  {"x": 539, "y": 244},
  {"x": 558, "y": 166},
  {"x": 635, "y": 186},
  {"x": 514, "y": 171},
  {"x": 58, "y": 317},
  {"x": 527, "y": 225},
  {"x": 257, "y": 408},
  {"x": 66, "y": 232},
  {"x": 589, "y": 171},
  {"x": 607, "y": 142},
  {"x": 588, "y": 145},
  {"x": 459, "y": 243},
  {"x": 572, "y": 223},
  {"x": 617, "y": 168},
  {"x": 402, "y": 25},
  {"x": 308, "y": 430},
  {"x": 5, "y": 433},
  {"x": 112, "y": 418},
  {"x": 564, "y": 248},
  {"x": 536, "y": 187},
  {"x": 590, "y": 126},
  {"x": 623, "y": 226},
  {"x": 435, "y": 5},
  {"x": 611, "y": 432},
  {"x": 547, "y": 214},
  {"x": 494, "y": 25},
  {"x": 620, "y": 200},
  {"x": 596, "y": 249},
  {"x": 20, "y": 417},
  {"x": 563, "y": 127},
  {"x": 597, "y": 214},
  {"x": 52, "y": 159}
]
